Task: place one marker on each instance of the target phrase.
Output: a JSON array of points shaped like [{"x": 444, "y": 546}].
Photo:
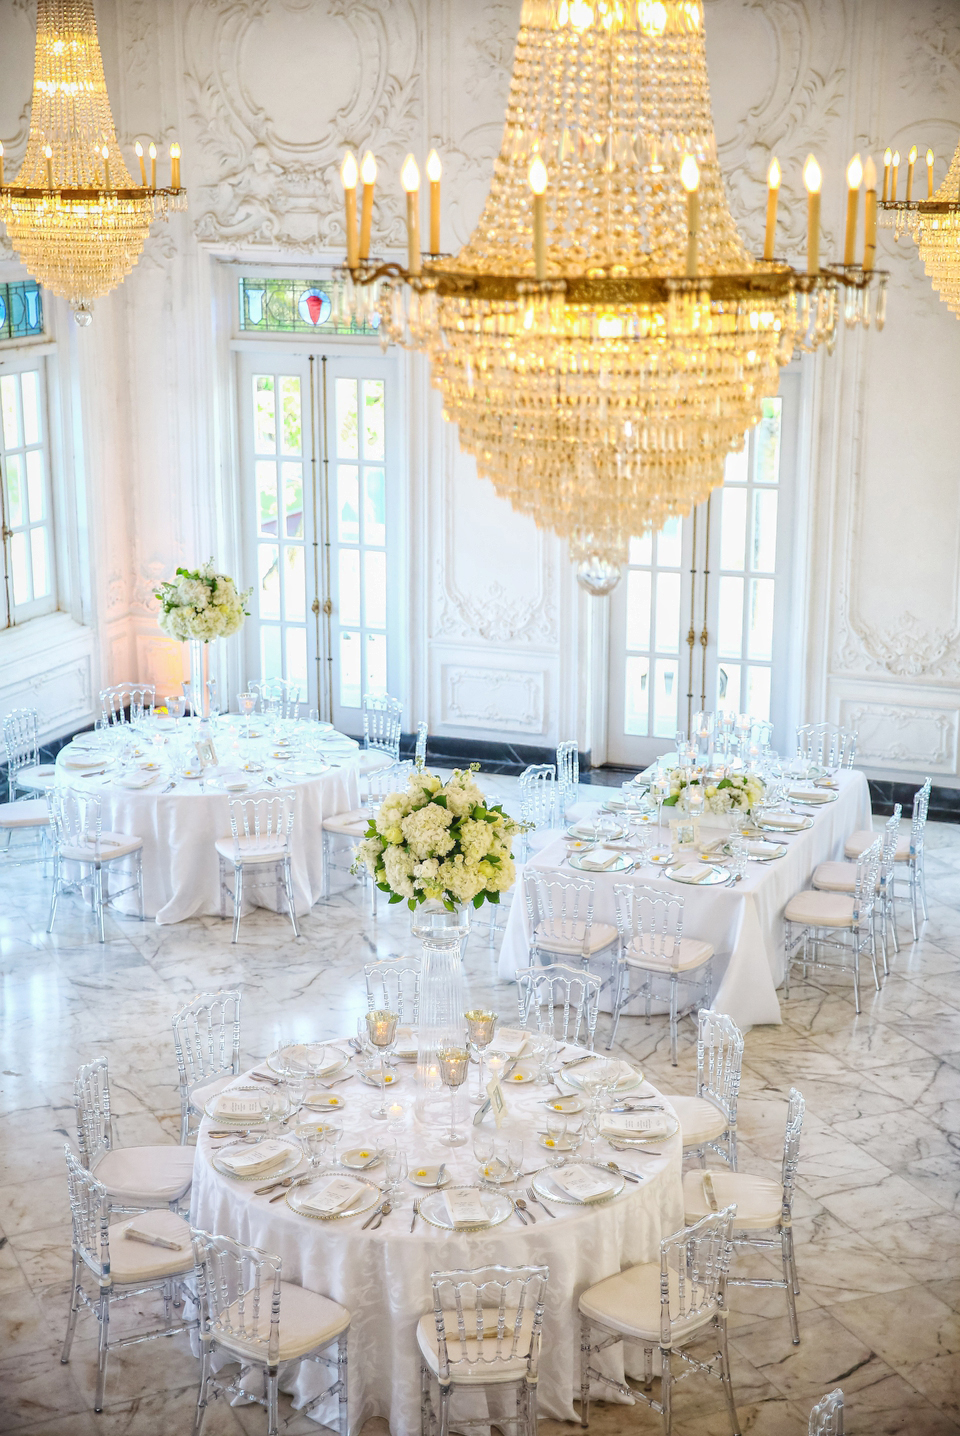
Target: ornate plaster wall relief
[
  {"x": 270, "y": 153},
  {"x": 61, "y": 693},
  {"x": 906, "y": 648},
  {"x": 918, "y": 739},
  {"x": 476, "y": 697},
  {"x": 933, "y": 49}
]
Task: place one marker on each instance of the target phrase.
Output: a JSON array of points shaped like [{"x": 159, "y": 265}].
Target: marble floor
[{"x": 878, "y": 1241}]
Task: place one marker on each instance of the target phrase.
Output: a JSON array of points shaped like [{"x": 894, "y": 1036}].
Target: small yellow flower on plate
[
  {"x": 366, "y": 1154},
  {"x": 549, "y": 1142},
  {"x": 422, "y": 1172}
]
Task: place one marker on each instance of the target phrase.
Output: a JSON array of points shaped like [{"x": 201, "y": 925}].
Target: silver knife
[{"x": 443, "y": 1168}]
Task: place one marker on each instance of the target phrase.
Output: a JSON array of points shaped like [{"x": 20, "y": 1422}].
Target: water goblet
[
  {"x": 591, "y": 1129},
  {"x": 453, "y": 1063},
  {"x": 313, "y": 1140},
  {"x": 556, "y": 1126},
  {"x": 382, "y": 1033},
  {"x": 481, "y": 1023},
  {"x": 272, "y": 1107},
  {"x": 332, "y": 1132},
  {"x": 514, "y": 1157},
  {"x": 295, "y": 1087},
  {"x": 484, "y": 1146},
  {"x": 395, "y": 1170}
]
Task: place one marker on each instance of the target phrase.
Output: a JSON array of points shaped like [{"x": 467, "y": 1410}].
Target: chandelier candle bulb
[
  {"x": 887, "y": 157},
  {"x": 410, "y": 179},
  {"x": 911, "y": 161},
  {"x": 773, "y": 196},
  {"x": 48, "y": 154},
  {"x": 690, "y": 179},
  {"x": 537, "y": 176},
  {"x": 143, "y": 169},
  {"x": 894, "y": 175},
  {"x": 174, "y": 166},
  {"x": 813, "y": 179},
  {"x": 870, "y": 215},
  {"x": 854, "y": 177},
  {"x": 368, "y": 173},
  {"x": 434, "y": 170},
  {"x": 1, "y": 162},
  {"x": 929, "y": 174},
  {"x": 153, "y": 165},
  {"x": 106, "y": 167},
  {"x": 349, "y": 176}
]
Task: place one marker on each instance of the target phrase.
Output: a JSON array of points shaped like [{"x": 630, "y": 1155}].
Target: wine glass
[
  {"x": 332, "y": 1132},
  {"x": 382, "y": 1033},
  {"x": 313, "y": 1139},
  {"x": 247, "y": 704},
  {"x": 481, "y": 1023},
  {"x": 395, "y": 1170},
  {"x": 514, "y": 1156},
  {"x": 272, "y": 1106},
  {"x": 453, "y": 1063},
  {"x": 556, "y": 1126},
  {"x": 484, "y": 1145},
  {"x": 591, "y": 1129}
]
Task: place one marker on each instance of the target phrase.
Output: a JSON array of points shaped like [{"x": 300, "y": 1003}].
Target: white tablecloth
[
  {"x": 744, "y": 924},
  {"x": 383, "y": 1276},
  {"x": 181, "y": 872}
]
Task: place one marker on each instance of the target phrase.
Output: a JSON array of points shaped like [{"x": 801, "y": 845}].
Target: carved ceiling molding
[
  {"x": 933, "y": 59},
  {"x": 266, "y": 188}
]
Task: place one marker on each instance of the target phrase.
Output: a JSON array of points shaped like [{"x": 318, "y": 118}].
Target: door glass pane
[
  {"x": 374, "y": 507},
  {"x": 638, "y": 611},
  {"x": 15, "y": 513},
  {"x": 730, "y": 618},
  {"x": 291, "y": 440},
  {"x": 271, "y": 663},
  {"x": 349, "y": 670},
  {"x": 373, "y": 416},
  {"x": 268, "y": 560},
  {"x": 376, "y": 663},
  {"x": 758, "y": 693},
  {"x": 641, "y": 549},
  {"x": 30, "y": 394},
  {"x": 728, "y": 687},
  {"x": 349, "y": 590},
  {"x": 297, "y": 656},
  {"x": 264, "y": 414},
  {"x": 668, "y": 544},
  {"x": 668, "y": 613},
  {"x": 735, "y": 467},
  {"x": 665, "y": 698},
  {"x": 266, "y": 472},
  {"x": 733, "y": 525},
  {"x": 347, "y": 446},
  {"x": 766, "y": 463},
  {"x": 760, "y": 621},
  {"x": 375, "y": 590},
  {"x": 10, "y": 410},
  {"x": 38, "y": 551},
  {"x": 21, "y": 569},
  {"x": 637, "y": 700},
  {"x": 348, "y": 504},
  {"x": 35, "y": 485},
  {"x": 293, "y": 500},
  {"x": 295, "y": 586},
  {"x": 764, "y": 544}
]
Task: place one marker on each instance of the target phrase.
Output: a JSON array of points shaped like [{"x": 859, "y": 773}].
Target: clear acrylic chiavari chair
[
  {"x": 381, "y": 732},
  {"x": 568, "y": 778},
  {"x": 825, "y": 745},
  {"x": 560, "y": 914},
  {"x": 826, "y": 1418},
  {"x": 708, "y": 1121},
  {"x": 420, "y": 750},
  {"x": 21, "y": 742},
  {"x": 909, "y": 851},
  {"x": 650, "y": 927},
  {"x": 764, "y": 1220},
  {"x": 250, "y": 1315},
  {"x": 663, "y": 1306},
  {"x": 344, "y": 831},
  {"x": 537, "y": 789},
  {"x": 122, "y": 1267},
  {"x": 206, "y": 1039},
  {"x": 394, "y": 984},
  {"x": 278, "y": 697},
  {"x": 820, "y": 924},
  {"x": 261, "y": 829},
  {"x": 842, "y": 878},
  {"x": 78, "y": 839},
  {"x": 137, "y": 699},
  {"x": 485, "y": 1330},
  {"x": 566, "y": 1001}
]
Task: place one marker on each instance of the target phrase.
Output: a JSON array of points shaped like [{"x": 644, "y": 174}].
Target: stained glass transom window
[
  {"x": 297, "y": 306},
  {"x": 21, "y": 310}
]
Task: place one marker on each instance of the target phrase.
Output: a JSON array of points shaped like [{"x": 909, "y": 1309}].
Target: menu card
[
  {"x": 252, "y": 1160},
  {"x": 690, "y": 872},
  {"x": 637, "y": 1124},
  {"x": 464, "y": 1207},
  {"x": 509, "y": 1040},
  {"x": 335, "y": 1195},
  {"x": 583, "y": 1183},
  {"x": 231, "y": 1104}
]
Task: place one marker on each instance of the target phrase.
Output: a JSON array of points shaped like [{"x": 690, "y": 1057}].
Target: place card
[
  {"x": 228, "y": 1105},
  {"x": 464, "y": 1207},
  {"x": 638, "y": 1124},
  {"x": 498, "y": 1103},
  {"x": 581, "y": 1183},
  {"x": 336, "y": 1194}
]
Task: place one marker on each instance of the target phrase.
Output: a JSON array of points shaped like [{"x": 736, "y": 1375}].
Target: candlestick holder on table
[
  {"x": 453, "y": 1063},
  {"x": 382, "y": 1032},
  {"x": 481, "y": 1024},
  {"x": 441, "y": 1022}
]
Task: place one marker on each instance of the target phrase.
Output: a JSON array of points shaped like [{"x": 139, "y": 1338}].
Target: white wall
[{"x": 264, "y": 95}]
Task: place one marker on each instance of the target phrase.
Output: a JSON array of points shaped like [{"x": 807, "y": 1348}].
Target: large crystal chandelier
[
  {"x": 605, "y": 339},
  {"x": 73, "y": 213},
  {"x": 933, "y": 222}
]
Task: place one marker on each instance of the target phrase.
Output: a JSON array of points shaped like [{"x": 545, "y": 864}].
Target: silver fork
[{"x": 540, "y": 1202}]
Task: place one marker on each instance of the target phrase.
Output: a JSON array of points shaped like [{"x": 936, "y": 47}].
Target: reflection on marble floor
[{"x": 878, "y": 1241}]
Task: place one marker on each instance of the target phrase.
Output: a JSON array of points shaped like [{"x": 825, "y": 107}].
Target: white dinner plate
[
  {"x": 770, "y": 825},
  {"x": 622, "y": 862},
  {"x": 713, "y": 877}
]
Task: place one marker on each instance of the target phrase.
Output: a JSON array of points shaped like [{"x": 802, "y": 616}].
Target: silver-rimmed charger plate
[
  {"x": 273, "y": 1174},
  {"x": 587, "y": 831},
  {"x": 301, "y": 1057},
  {"x": 824, "y": 796},
  {"x": 642, "y": 1139},
  {"x": 713, "y": 877},
  {"x": 248, "y": 1089},
  {"x": 573, "y": 1078},
  {"x": 758, "y": 858},
  {"x": 497, "y": 1206},
  {"x": 545, "y": 1186},
  {"x": 623, "y": 862},
  {"x": 770, "y": 825},
  {"x": 363, "y": 1202}
]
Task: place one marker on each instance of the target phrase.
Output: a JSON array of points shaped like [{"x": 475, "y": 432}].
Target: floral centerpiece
[
  {"x": 441, "y": 842},
  {"x": 201, "y": 604},
  {"x": 735, "y": 793}
]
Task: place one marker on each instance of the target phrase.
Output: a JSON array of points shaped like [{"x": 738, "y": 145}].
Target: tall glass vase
[
  {"x": 441, "y": 1022},
  {"x": 199, "y": 678}
]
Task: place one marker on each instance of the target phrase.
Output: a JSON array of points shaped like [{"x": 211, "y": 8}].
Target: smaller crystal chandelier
[
  {"x": 934, "y": 222},
  {"x": 73, "y": 213}
]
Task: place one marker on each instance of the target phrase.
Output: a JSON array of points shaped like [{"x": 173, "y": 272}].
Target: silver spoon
[
  {"x": 524, "y": 1208},
  {"x": 384, "y": 1211},
  {"x": 630, "y": 1176}
]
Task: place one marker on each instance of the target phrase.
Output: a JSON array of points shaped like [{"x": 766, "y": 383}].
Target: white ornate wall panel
[
  {"x": 904, "y": 734},
  {"x": 497, "y": 699}
]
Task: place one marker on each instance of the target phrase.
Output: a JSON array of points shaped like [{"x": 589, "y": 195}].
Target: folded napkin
[
  {"x": 636, "y": 1124},
  {"x": 82, "y": 760},
  {"x": 335, "y": 1195},
  {"x": 464, "y": 1207},
  {"x": 599, "y": 860},
  {"x": 584, "y": 830},
  {"x": 156, "y": 1233},
  {"x": 136, "y": 780},
  {"x": 784, "y": 820},
  {"x": 509, "y": 1040},
  {"x": 690, "y": 872},
  {"x": 580, "y": 1070},
  {"x": 808, "y": 794},
  {"x": 258, "y": 1158},
  {"x": 581, "y": 1183},
  {"x": 761, "y": 849},
  {"x": 236, "y": 1104}
]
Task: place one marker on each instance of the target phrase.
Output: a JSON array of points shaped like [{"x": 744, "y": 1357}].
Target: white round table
[
  {"x": 382, "y": 1276},
  {"x": 179, "y": 825}
]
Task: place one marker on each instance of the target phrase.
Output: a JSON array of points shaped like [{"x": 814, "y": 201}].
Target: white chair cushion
[
  {"x": 40, "y": 778},
  {"x": 201, "y": 1094},
  {"x": 540, "y": 838},
  {"x": 700, "y": 1121},
  {"x": 133, "y": 1261},
  {"x": 112, "y": 845},
  {"x": 352, "y": 824},
  {"x": 372, "y": 760},
  {"x": 32, "y": 813},
  {"x": 859, "y": 842},
  {"x": 630, "y": 1302},
  {"x": 836, "y": 877},
  {"x": 820, "y": 909},
  {"x": 569, "y": 937},
  {"x": 581, "y": 812},
  {"x": 252, "y": 850},
  {"x": 475, "y": 1370},
  {"x": 146, "y": 1176},
  {"x": 690, "y": 953},
  {"x": 758, "y": 1199},
  {"x": 307, "y": 1321}
]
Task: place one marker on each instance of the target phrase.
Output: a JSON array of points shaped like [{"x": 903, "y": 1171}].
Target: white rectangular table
[{"x": 744, "y": 924}]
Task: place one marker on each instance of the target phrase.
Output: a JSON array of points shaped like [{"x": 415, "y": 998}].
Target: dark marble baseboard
[{"x": 944, "y": 802}]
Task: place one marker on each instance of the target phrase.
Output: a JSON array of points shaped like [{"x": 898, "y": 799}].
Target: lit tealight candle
[
  {"x": 690, "y": 179},
  {"x": 813, "y": 179},
  {"x": 434, "y": 170},
  {"x": 106, "y": 167},
  {"x": 143, "y": 169},
  {"x": 537, "y": 178},
  {"x": 410, "y": 179},
  {"x": 854, "y": 177},
  {"x": 870, "y": 215},
  {"x": 368, "y": 173},
  {"x": 894, "y": 174},
  {"x": 48, "y": 154},
  {"x": 773, "y": 195},
  {"x": 929, "y": 174},
  {"x": 174, "y": 166},
  {"x": 349, "y": 176},
  {"x": 911, "y": 161},
  {"x": 153, "y": 165},
  {"x": 887, "y": 158}
]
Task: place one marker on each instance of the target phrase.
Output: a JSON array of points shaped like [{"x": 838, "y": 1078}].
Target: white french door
[
  {"x": 318, "y": 454},
  {"x": 701, "y": 620}
]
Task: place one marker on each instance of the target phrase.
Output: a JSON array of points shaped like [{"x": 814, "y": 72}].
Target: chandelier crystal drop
[
  {"x": 73, "y": 213},
  {"x": 934, "y": 224}
]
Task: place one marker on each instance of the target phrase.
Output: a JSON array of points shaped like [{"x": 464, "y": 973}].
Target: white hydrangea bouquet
[
  {"x": 201, "y": 604},
  {"x": 440, "y": 841},
  {"x": 736, "y": 793}
]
